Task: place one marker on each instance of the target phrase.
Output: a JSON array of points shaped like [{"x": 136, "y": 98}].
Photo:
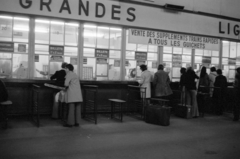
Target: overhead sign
[
  {"x": 206, "y": 60},
  {"x": 176, "y": 58},
  {"x": 56, "y": 50},
  {"x": 103, "y": 53},
  {"x": 149, "y": 37},
  {"x": 141, "y": 56},
  {"x": 6, "y": 47}
]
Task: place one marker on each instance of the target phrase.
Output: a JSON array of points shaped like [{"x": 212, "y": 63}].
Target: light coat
[
  {"x": 161, "y": 82},
  {"x": 73, "y": 92},
  {"x": 145, "y": 81}
]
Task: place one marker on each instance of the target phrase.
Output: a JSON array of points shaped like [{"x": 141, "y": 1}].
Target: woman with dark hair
[
  {"x": 203, "y": 81},
  {"x": 236, "y": 109},
  {"x": 73, "y": 96},
  {"x": 191, "y": 91},
  {"x": 145, "y": 81}
]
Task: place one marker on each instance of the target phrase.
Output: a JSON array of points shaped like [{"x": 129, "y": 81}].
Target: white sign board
[{"x": 149, "y": 37}]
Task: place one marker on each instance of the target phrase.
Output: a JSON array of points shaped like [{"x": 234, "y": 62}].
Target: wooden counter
[{"x": 21, "y": 96}]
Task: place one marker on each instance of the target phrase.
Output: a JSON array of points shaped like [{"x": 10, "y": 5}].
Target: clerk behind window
[{"x": 59, "y": 76}]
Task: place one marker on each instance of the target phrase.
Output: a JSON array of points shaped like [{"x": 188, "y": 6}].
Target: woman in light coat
[
  {"x": 145, "y": 81},
  {"x": 161, "y": 82},
  {"x": 73, "y": 96}
]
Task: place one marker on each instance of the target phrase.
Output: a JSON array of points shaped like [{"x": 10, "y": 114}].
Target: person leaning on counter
[{"x": 73, "y": 96}]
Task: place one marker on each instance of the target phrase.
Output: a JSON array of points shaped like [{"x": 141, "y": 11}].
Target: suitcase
[
  {"x": 159, "y": 115},
  {"x": 183, "y": 110}
]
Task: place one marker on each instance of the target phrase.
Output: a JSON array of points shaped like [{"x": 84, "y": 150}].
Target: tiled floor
[{"x": 211, "y": 137}]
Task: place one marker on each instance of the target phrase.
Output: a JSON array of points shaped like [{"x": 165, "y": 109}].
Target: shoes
[
  {"x": 77, "y": 125},
  {"x": 66, "y": 125}
]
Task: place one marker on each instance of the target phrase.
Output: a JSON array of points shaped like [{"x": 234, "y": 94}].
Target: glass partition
[
  {"x": 174, "y": 58},
  {"x": 14, "y": 38},
  {"x": 230, "y": 59},
  {"x": 138, "y": 54},
  {"x": 55, "y": 42},
  {"x": 102, "y": 52}
]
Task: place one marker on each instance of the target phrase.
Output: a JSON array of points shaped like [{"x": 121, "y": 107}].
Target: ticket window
[
  {"x": 14, "y": 38},
  {"x": 230, "y": 59},
  {"x": 137, "y": 54},
  {"x": 102, "y": 53},
  {"x": 207, "y": 58},
  {"x": 55, "y": 42},
  {"x": 174, "y": 58}
]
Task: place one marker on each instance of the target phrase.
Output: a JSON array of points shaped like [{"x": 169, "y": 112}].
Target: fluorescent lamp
[
  {"x": 225, "y": 41},
  {"x": 104, "y": 28},
  {"x": 117, "y": 29},
  {"x": 85, "y": 34},
  {"x": 20, "y": 29},
  {"x": 39, "y": 30},
  {"x": 24, "y": 19},
  {"x": 90, "y": 26},
  {"x": 72, "y": 24},
  {"x": 6, "y": 17},
  {"x": 42, "y": 21},
  {"x": 58, "y": 23}
]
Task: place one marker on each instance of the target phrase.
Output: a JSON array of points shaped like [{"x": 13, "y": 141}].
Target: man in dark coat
[
  {"x": 219, "y": 94},
  {"x": 59, "y": 76}
]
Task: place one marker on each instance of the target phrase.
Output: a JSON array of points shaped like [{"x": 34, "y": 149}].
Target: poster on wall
[
  {"x": 6, "y": 47},
  {"x": 206, "y": 60},
  {"x": 150, "y": 37},
  {"x": 102, "y": 53},
  {"x": 22, "y": 48},
  {"x": 56, "y": 50},
  {"x": 141, "y": 56},
  {"x": 56, "y": 59},
  {"x": 177, "y": 64},
  {"x": 36, "y": 58},
  {"x": 87, "y": 73},
  {"x": 231, "y": 61},
  {"x": 176, "y": 58}
]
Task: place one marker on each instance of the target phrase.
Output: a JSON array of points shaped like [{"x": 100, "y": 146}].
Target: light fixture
[
  {"x": 42, "y": 21},
  {"x": 173, "y": 6},
  {"x": 6, "y": 17}
]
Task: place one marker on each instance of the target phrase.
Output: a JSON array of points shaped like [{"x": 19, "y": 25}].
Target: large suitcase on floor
[
  {"x": 159, "y": 115},
  {"x": 183, "y": 110}
]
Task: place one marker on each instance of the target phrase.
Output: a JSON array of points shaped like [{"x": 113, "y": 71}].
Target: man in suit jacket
[
  {"x": 220, "y": 95},
  {"x": 59, "y": 76},
  {"x": 161, "y": 83}
]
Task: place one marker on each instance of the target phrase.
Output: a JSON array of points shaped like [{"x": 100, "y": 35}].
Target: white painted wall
[{"x": 228, "y": 8}]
